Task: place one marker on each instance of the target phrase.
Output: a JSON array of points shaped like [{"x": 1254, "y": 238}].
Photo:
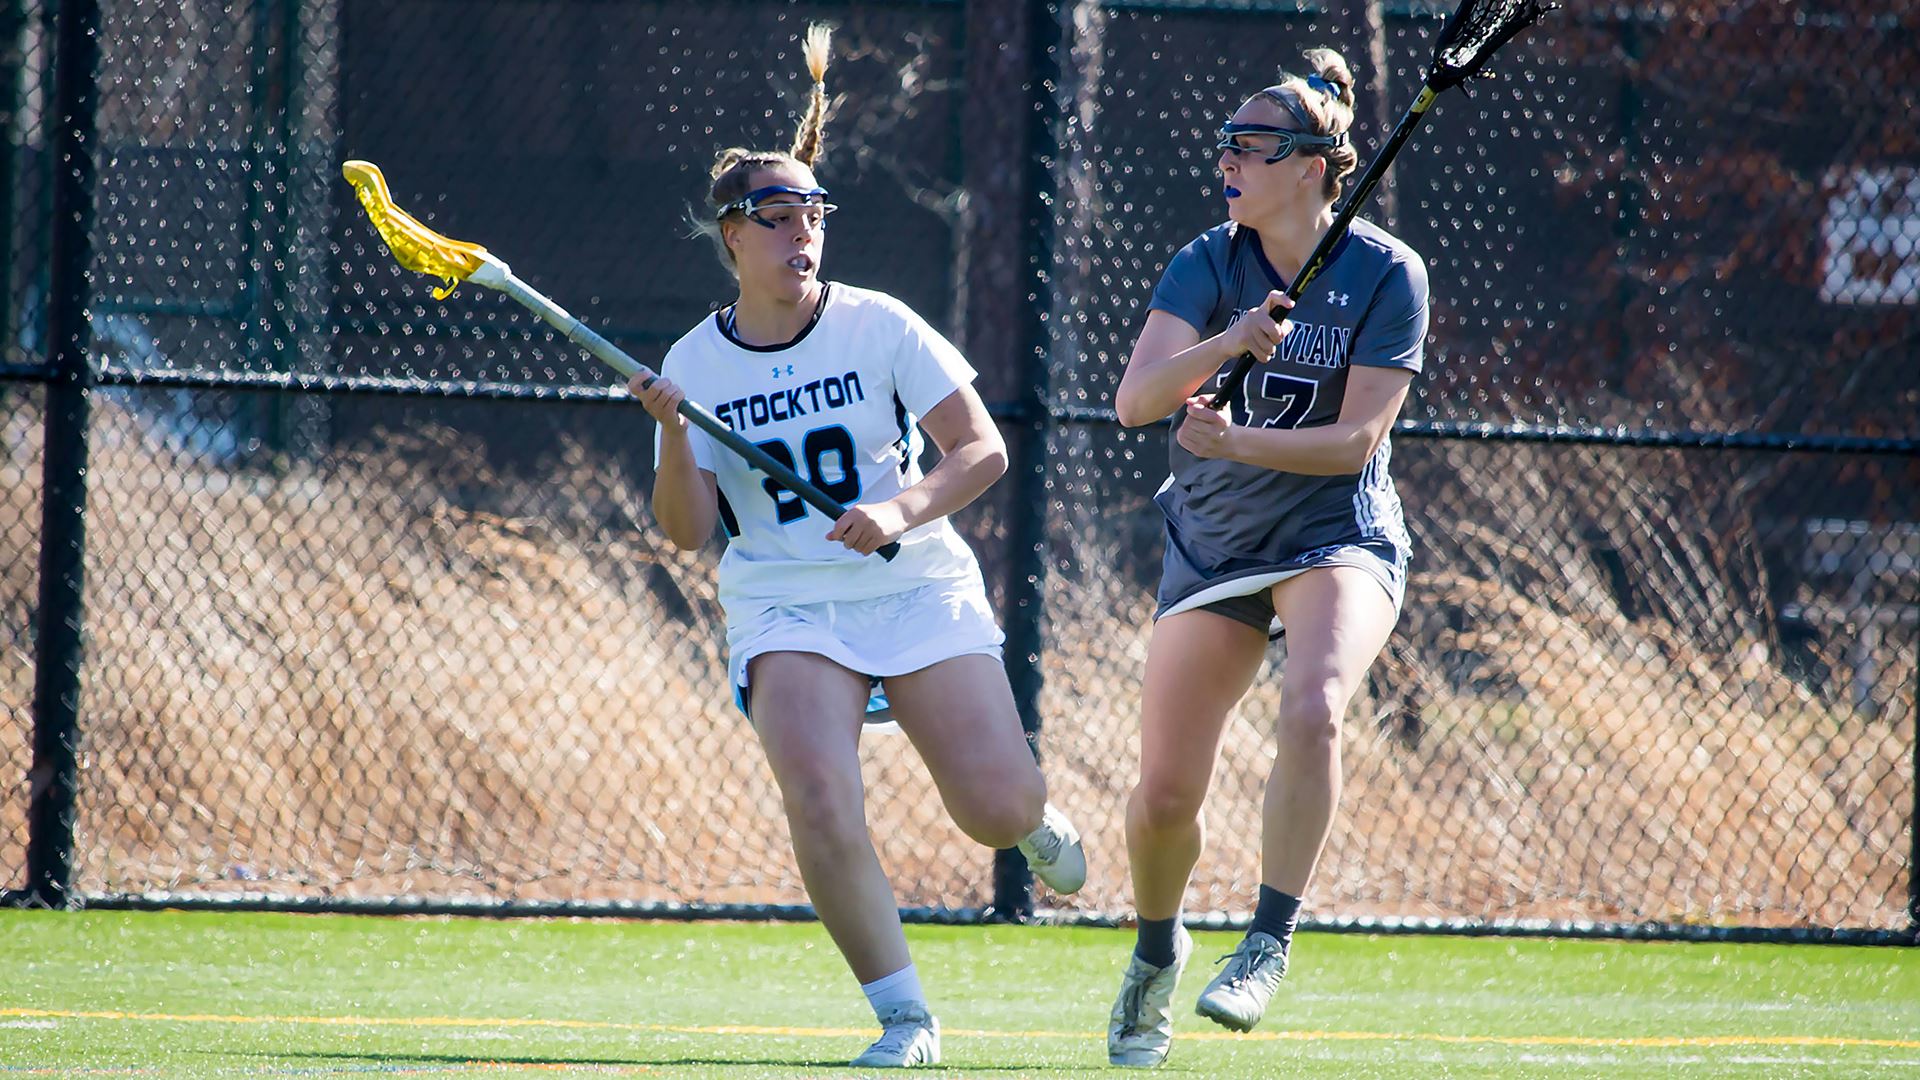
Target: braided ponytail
[
  {"x": 813, "y": 127},
  {"x": 733, "y": 168}
]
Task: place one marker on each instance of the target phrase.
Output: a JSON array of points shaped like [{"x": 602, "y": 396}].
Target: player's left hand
[
  {"x": 1206, "y": 432},
  {"x": 869, "y": 526}
]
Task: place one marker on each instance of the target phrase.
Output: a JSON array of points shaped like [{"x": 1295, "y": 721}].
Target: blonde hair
[
  {"x": 732, "y": 174},
  {"x": 1327, "y": 113}
]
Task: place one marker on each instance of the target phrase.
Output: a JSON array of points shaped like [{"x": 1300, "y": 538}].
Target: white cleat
[
  {"x": 910, "y": 1036},
  {"x": 1237, "y": 997},
  {"x": 1140, "y": 1030},
  {"x": 1055, "y": 854}
]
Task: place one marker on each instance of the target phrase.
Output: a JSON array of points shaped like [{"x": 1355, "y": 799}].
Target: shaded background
[{"x": 373, "y": 606}]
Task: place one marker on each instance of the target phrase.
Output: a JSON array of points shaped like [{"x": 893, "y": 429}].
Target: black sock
[
  {"x": 1156, "y": 941},
  {"x": 1275, "y": 914}
]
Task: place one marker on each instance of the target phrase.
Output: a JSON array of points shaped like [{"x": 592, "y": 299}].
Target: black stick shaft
[{"x": 1229, "y": 393}]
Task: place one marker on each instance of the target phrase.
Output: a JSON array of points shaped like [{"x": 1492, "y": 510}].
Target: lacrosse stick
[
  {"x": 1471, "y": 36},
  {"x": 420, "y": 249}
]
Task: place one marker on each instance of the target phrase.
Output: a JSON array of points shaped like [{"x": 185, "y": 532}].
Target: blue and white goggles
[
  {"x": 796, "y": 206},
  {"x": 1252, "y": 139}
]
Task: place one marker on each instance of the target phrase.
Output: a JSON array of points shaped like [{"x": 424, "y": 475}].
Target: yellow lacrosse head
[{"x": 414, "y": 246}]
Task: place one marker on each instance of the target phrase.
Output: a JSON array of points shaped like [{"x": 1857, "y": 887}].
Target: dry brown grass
[
  {"x": 1602, "y": 788},
  {"x": 347, "y": 678},
  {"x": 19, "y": 552}
]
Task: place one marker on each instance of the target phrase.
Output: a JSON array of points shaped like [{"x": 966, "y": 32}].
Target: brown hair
[
  {"x": 733, "y": 168},
  {"x": 1328, "y": 114}
]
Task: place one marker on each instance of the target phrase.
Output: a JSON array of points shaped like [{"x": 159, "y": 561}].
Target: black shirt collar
[{"x": 723, "y": 321}]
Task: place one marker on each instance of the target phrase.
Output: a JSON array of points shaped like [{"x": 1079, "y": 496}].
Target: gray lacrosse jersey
[{"x": 1367, "y": 307}]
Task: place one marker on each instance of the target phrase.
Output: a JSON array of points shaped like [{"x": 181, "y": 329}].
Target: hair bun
[{"x": 1330, "y": 67}]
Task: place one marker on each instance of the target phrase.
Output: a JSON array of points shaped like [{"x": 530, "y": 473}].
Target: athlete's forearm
[
  {"x": 1151, "y": 389},
  {"x": 963, "y": 475},
  {"x": 681, "y": 501},
  {"x": 1337, "y": 449}
]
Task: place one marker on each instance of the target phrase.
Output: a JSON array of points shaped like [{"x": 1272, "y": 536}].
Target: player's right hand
[
  {"x": 660, "y": 397},
  {"x": 1257, "y": 332}
]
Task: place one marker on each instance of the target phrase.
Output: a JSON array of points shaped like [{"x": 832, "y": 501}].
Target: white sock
[{"x": 889, "y": 992}]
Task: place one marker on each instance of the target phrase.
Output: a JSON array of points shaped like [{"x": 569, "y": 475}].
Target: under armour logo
[{"x": 1339, "y": 298}]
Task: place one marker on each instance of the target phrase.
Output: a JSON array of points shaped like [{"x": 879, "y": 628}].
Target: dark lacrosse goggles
[
  {"x": 812, "y": 206},
  {"x": 1286, "y": 140}
]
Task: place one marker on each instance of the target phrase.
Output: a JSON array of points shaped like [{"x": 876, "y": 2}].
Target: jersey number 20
[{"x": 839, "y": 481}]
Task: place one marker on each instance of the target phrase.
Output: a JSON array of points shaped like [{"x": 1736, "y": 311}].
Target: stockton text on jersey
[{"x": 832, "y": 392}]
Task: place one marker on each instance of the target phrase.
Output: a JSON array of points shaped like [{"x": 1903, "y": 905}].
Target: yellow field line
[
  {"x": 384, "y": 1071},
  {"x": 1647, "y": 1041}
]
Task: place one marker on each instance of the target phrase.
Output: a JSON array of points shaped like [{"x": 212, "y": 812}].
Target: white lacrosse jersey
[{"x": 840, "y": 405}]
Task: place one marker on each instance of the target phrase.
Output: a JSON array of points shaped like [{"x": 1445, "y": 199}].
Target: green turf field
[{"x": 191, "y": 995}]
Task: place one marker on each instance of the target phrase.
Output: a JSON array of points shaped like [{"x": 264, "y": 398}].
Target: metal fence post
[
  {"x": 1361, "y": 29},
  {"x": 1027, "y": 519},
  {"x": 54, "y": 776},
  {"x": 13, "y": 63}
]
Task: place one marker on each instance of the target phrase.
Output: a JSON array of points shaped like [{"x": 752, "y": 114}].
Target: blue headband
[{"x": 1278, "y": 94}]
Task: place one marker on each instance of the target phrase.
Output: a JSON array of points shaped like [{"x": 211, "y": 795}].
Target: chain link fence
[
  {"x": 1630, "y": 684},
  {"x": 374, "y": 610}
]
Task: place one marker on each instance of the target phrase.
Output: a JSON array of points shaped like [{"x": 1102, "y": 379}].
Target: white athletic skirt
[{"x": 886, "y": 635}]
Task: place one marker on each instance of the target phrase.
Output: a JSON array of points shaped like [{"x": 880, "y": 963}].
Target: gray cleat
[
  {"x": 1238, "y": 996},
  {"x": 1140, "y": 1030},
  {"x": 909, "y": 1036}
]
